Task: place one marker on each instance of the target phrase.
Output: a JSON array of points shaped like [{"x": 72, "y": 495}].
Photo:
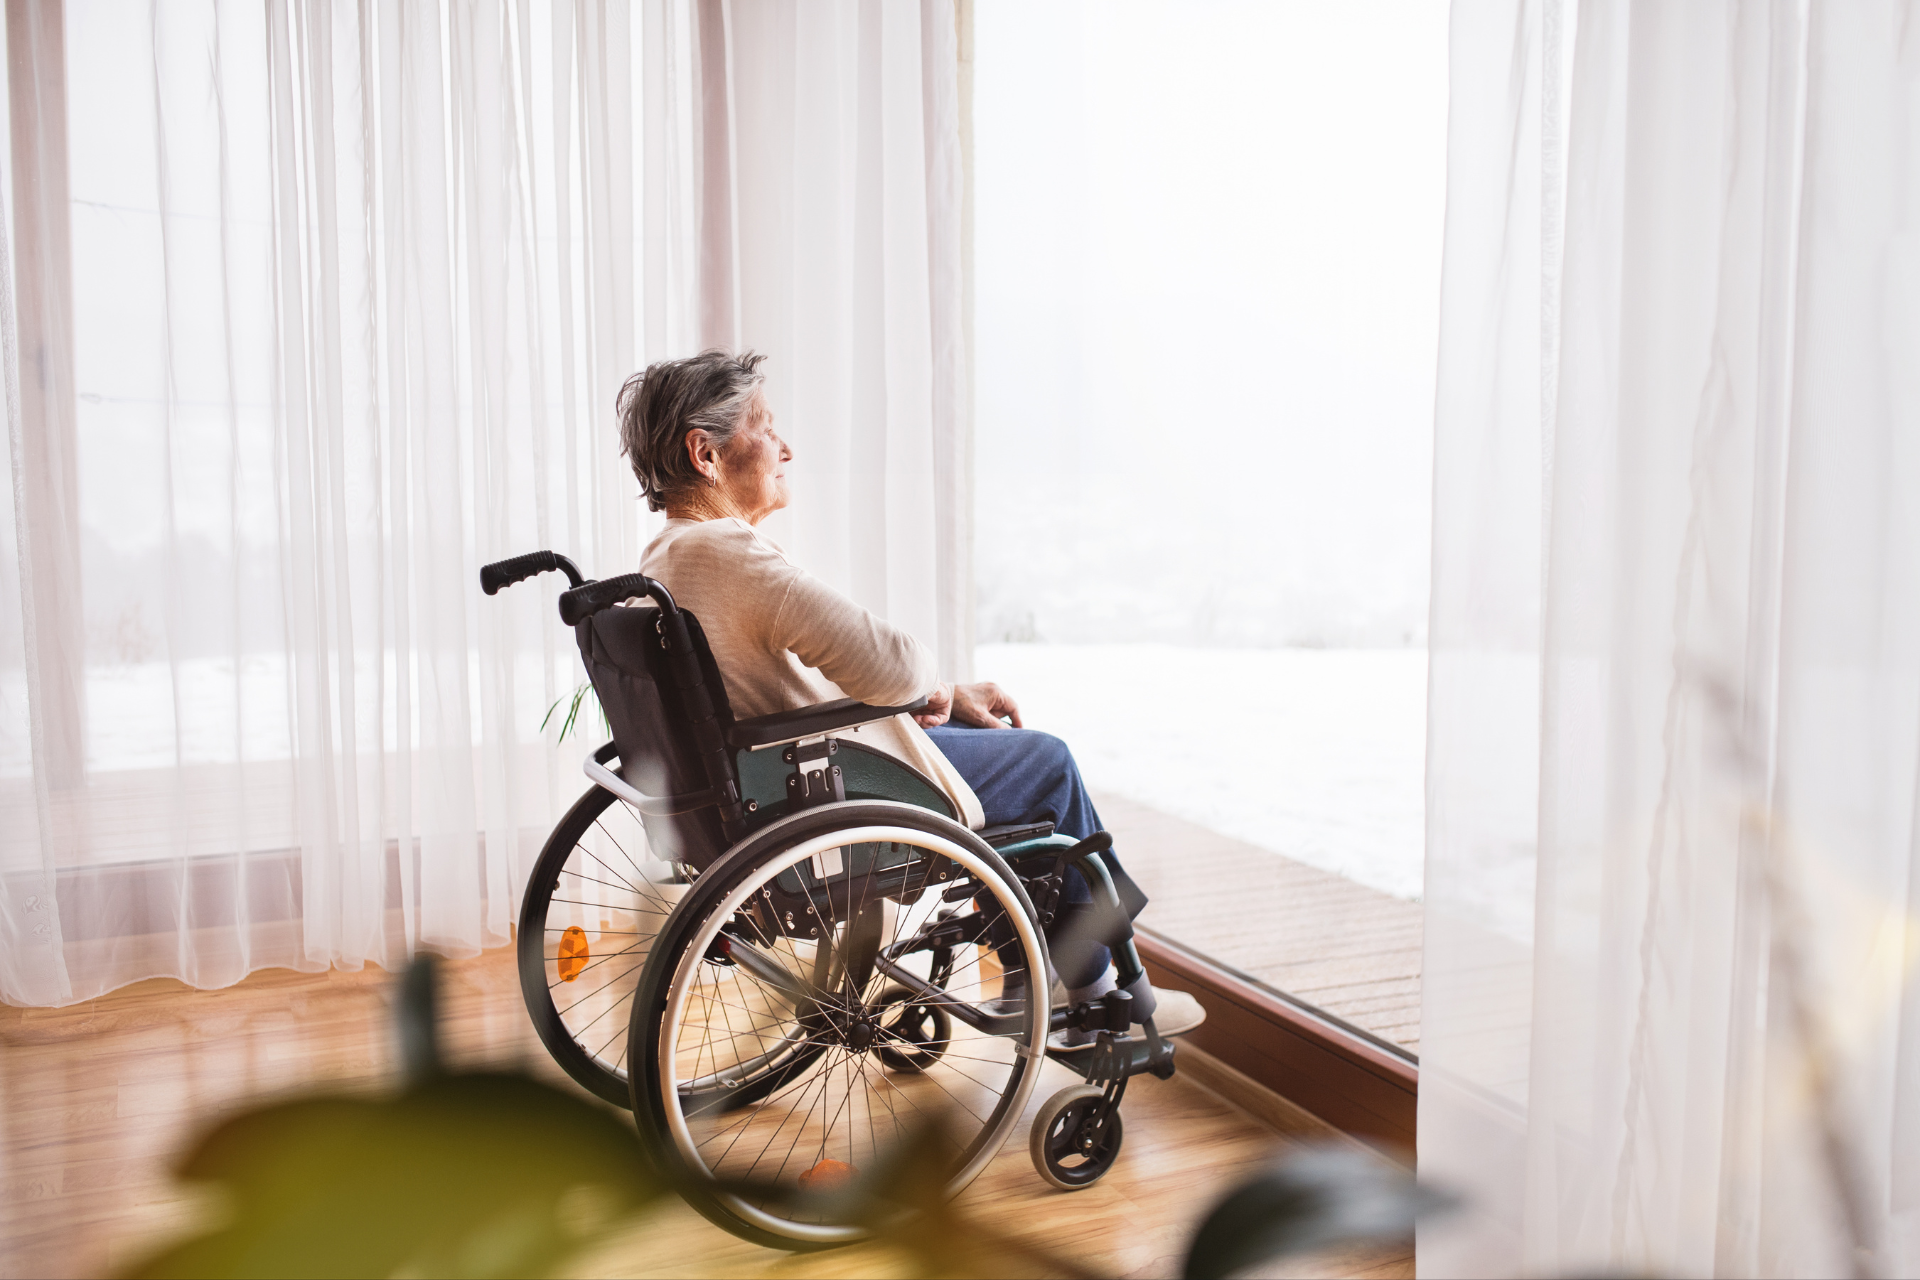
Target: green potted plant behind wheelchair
[{"x": 782, "y": 949}]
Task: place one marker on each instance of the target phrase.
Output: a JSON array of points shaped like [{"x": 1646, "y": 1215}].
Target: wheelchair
[{"x": 782, "y": 950}]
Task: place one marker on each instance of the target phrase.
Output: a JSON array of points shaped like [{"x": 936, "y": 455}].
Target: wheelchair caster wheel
[
  {"x": 915, "y": 1035},
  {"x": 1071, "y": 1148}
]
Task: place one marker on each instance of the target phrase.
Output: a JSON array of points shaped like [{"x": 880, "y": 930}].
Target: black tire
[
  {"x": 1064, "y": 1152},
  {"x": 920, "y": 1032},
  {"x": 593, "y": 1055},
  {"x": 700, "y": 917}
]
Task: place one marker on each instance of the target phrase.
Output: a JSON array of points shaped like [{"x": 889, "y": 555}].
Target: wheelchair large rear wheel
[
  {"x": 767, "y": 1057},
  {"x": 594, "y": 904}
]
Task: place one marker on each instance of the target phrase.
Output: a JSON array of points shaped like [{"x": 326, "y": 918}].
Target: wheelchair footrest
[{"x": 1137, "y": 1055}]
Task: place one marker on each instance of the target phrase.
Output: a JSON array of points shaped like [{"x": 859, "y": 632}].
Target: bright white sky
[{"x": 1208, "y": 263}]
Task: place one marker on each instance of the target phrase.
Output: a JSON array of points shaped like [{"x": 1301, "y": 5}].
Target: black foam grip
[
  {"x": 584, "y": 602},
  {"x": 504, "y": 573}
]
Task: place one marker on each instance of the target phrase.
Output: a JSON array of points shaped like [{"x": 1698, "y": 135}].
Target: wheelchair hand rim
[{"x": 1013, "y": 1104}]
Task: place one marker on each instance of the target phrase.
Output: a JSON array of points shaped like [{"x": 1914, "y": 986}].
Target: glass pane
[{"x": 1207, "y": 259}]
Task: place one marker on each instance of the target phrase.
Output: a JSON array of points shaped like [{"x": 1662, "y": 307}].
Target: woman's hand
[
  {"x": 939, "y": 707},
  {"x": 979, "y": 706}
]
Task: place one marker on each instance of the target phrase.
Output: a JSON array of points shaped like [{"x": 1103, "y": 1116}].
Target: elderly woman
[{"x": 702, "y": 443}]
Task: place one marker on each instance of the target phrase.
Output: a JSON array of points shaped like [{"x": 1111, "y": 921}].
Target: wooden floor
[
  {"x": 99, "y": 1096},
  {"x": 1348, "y": 949}
]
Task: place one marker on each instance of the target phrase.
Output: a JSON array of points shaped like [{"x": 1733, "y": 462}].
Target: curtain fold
[
  {"x": 1675, "y": 700},
  {"x": 352, "y": 288},
  {"x": 843, "y": 120}
]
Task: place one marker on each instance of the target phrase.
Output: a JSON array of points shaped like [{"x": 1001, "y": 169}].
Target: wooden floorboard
[
  {"x": 99, "y": 1097},
  {"x": 1345, "y": 948}
]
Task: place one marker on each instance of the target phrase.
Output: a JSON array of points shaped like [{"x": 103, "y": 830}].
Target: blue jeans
[{"x": 1023, "y": 775}]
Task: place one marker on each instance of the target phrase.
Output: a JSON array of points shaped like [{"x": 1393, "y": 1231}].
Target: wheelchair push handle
[
  {"x": 504, "y": 573},
  {"x": 590, "y": 598},
  {"x": 584, "y": 597}
]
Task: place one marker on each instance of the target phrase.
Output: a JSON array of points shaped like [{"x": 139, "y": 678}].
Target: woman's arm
[
  {"x": 867, "y": 656},
  {"x": 874, "y": 660}
]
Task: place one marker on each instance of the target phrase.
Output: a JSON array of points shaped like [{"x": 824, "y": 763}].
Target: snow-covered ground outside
[
  {"x": 1317, "y": 754},
  {"x": 156, "y": 715}
]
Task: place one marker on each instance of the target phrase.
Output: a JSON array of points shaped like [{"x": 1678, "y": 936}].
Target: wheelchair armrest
[
  {"x": 810, "y": 722},
  {"x": 1014, "y": 833}
]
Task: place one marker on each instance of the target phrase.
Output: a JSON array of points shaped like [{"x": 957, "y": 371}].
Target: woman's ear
[{"x": 700, "y": 452}]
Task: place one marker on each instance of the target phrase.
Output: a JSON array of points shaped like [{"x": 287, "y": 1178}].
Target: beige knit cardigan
[{"x": 783, "y": 639}]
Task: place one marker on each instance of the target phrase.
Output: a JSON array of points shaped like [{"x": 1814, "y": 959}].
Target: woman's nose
[{"x": 786, "y": 450}]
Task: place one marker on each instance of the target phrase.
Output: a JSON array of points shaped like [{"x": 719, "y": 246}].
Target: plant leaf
[
  {"x": 581, "y": 693},
  {"x": 463, "y": 1175},
  {"x": 1318, "y": 1197}
]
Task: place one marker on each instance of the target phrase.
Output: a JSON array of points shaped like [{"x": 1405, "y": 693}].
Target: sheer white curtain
[
  {"x": 847, "y": 256},
  {"x": 316, "y": 308},
  {"x": 1671, "y": 1022}
]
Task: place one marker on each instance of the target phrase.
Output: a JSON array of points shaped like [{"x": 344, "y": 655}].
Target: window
[{"x": 1207, "y": 257}]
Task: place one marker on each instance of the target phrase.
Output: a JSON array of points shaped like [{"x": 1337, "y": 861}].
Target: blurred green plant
[
  {"x": 1308, "y": 1200},
  {"x": 482, "y": 1174},
  {"x": 574, "y": 702},
  {"x": 472, "y": 1174},
  {"x": 901, "y": 1199}
]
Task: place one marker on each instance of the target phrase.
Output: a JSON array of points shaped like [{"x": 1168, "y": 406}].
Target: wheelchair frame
[{"x": 722, "y": 773}]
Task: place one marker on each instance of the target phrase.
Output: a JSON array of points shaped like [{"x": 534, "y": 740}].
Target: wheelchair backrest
[{"x": 634, "y": 682}]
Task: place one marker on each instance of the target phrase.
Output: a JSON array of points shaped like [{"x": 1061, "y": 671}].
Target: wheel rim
[
  {"x": 846, "y": 1104},
  {"x": 610, "y": 898},
  {"x": 1070, "y": 1158}
]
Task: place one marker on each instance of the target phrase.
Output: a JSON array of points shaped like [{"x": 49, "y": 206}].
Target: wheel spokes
[
  {"x": 862, "y": 1054},
  {"x": 614, "y": 907}
]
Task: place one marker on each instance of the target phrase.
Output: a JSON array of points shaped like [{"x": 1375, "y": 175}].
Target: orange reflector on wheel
[
  {"x": 573, "y": 953},
  {"x": 828, "y": 1175}
]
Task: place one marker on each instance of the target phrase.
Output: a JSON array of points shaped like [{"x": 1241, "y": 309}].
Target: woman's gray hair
[{"x": 659, "y": 405}]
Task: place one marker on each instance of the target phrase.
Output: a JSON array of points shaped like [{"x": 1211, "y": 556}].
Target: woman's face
[{"x": 752, "y": 469}]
